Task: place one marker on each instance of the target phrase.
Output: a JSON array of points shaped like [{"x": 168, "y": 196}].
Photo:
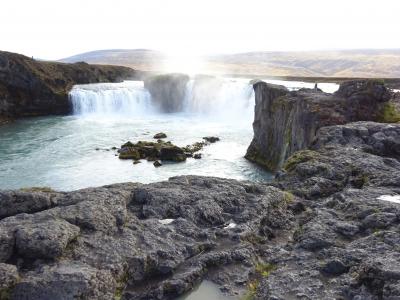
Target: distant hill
[{"x": 341, "y": 63}]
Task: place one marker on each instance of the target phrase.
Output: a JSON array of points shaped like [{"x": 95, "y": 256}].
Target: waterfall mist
[{"x": 227, "y": 100}]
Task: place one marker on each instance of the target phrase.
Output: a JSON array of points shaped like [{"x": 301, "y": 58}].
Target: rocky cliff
[
  {"x": 29, "y": 87},
  {"x": 286, "y": 122},
  {"x": 167, "y": 91},
  {"x": 327, "y": 228}
]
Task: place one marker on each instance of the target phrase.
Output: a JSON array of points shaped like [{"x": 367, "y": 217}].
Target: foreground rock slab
[{"x": 106, "y": 242}]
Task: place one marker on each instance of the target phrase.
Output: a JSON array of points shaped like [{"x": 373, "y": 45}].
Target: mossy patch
[
  {"x": 297, "y": 158},
  {"x": 43, "y": 189},
  {"x": 5, "y": 293},
  {"x": 253, "y": 239},
  {"x": 251, "y": 290},
  {"x": 389, "y": 113},
  {"x": 256, "y": 157},
  {"x": 121, "y": 284},
  {"x": 288, "y": 197},
  {"x": 265, "y": 269}
]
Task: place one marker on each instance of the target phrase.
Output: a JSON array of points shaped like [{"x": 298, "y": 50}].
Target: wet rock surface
[
  {"x": 163, "y": 151},
  {"x": 317, "y": 232},
  {"x": 160, "y": 135}
]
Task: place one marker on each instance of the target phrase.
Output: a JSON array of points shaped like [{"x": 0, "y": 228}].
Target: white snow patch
[
  {"x": 230, "y": 226},
  {"x": 390, "y": 198},
  {"x": 166, "y": 221}
]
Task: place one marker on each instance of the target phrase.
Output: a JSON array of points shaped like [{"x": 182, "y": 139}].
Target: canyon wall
[
  {"x": 29, "y": 87},
  {"x": 287, "y": 121}
]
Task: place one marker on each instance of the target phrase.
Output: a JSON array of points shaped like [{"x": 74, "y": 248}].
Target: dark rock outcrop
[
  {"x": 345, "y": 243},
  {"x": 160, "y": 150},
  {"x": 160, "y": 135},
  {"x": 286, "y": 122},
  {"x": 151, "y": 241},
  {"x": 167, "y": 91},
  {"x": 29, "y": 87}
]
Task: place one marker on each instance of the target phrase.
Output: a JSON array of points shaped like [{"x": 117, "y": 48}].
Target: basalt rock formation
[
  {"x": 167, "y": 91},
  {"x": 286, "y": 122},
  {"x": 324, "y": 229},
  {"x": 29, "y": 87}
]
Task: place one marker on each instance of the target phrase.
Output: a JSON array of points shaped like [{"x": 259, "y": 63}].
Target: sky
[{"x": 54, "y": 29}]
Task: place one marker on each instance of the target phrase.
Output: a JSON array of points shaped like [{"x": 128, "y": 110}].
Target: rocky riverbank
[
  {"x": 327, "y": 228},
  {"x": 30, "y": 87}
]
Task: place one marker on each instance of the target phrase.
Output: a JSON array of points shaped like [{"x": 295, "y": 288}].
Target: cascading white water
[
  {"x": 224, "y": 99},
  {"x": 126, "y": 98},
  {"x": 220, "y": 97}
]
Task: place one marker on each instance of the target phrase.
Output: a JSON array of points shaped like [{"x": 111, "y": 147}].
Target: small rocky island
[
  {"x": 328, "y": 226},
  {"x": 164, "y": 151}
]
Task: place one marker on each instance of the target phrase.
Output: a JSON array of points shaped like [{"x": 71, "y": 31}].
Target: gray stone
[
  {"x": 47, "y": 239},
  {"x": 8, "y": 278}
]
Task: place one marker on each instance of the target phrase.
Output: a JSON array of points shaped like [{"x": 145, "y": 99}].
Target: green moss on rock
[
  {"x": 255, "y": 156},
  {"x": 43, "y": 189},
  {"x": 297, "y": 158},
  {"x": 121, "y": 284},
  {"x": 389, "y": 113}
]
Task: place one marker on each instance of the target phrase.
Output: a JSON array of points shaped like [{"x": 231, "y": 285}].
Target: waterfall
[
  {"x": 229, "y": 99},
  {"x": 224, "y": 99},
  {"x": 127, "y": 98}
]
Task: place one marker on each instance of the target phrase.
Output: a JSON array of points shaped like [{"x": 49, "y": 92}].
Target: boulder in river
[
  {"x": 211, "y": 139},
  {"x": 152, "y": 151},
  {"x": 160, "y": 150},
  {"x": 157, "y": 164},
  {"x": 160, "y": 135}
]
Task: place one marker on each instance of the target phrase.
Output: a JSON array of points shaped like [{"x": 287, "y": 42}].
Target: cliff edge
[
  {"x": 30, "y": 88},
  {"x": 287, "y": 121}
]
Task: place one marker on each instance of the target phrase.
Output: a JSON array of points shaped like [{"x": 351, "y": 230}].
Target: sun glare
[{"x": 184, "y": 63}]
